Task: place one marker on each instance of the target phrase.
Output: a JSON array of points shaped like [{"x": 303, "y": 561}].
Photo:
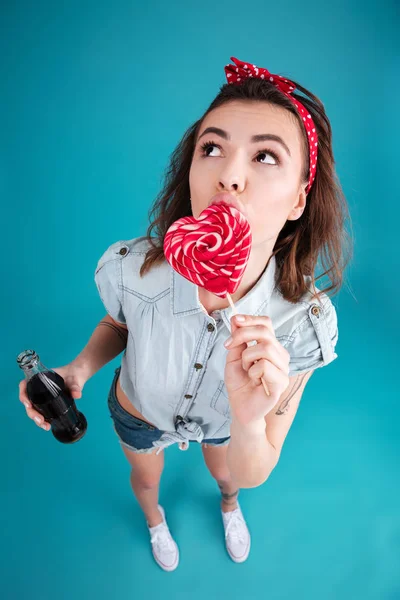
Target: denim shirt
[{"x": 172, "y": 369}]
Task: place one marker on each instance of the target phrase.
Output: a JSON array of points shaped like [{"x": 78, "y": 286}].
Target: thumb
[
  {"x": 72, "y": 380},
  {"x": 234, "y": 324},
  {"x": 75, "y": 390},
  {"x": 234, "y": 353}
]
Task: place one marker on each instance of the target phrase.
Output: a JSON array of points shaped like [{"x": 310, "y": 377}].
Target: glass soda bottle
[{"x": 49, "y": 395}]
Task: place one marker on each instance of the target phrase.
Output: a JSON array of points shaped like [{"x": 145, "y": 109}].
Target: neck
[{"x": 258, "y": 261}]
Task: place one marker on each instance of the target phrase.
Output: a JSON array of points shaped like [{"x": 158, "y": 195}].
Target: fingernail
[
  {"x": 228, "y": 342},
  {"x": 26, "y": 404},
  {"x": 44, "y": 427},
  {"x": 37, "y": 419},
  {"x": 240, "y": 318}
]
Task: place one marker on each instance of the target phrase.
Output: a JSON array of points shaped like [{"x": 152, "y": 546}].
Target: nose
[
  {"x": 233, "y": 187},
  {"x": 232, "y": 178}
]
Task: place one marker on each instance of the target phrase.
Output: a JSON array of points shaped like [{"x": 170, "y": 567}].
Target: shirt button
[
  {"x": 123, "y": 251},
  {"x": 210, "y": 327},
  {"x": 315, "y": 310},
  {"x": 198, "y": 366}
]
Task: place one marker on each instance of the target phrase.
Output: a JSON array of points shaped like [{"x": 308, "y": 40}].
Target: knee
[
  {"x": 219, "y": 471},
  {"x": 215, "y": 459},
  {"x": 145, "y": 481},
  {"x": 222, "y": 476}
]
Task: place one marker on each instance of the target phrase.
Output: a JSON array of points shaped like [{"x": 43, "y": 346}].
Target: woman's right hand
[{"x": 74, "y": 378}]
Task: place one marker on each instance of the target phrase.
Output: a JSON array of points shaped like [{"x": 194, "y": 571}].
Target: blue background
[{"x": 94, "y": 98}]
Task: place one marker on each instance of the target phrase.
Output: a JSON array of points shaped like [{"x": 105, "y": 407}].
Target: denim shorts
[{"x": 138, "y": 435}]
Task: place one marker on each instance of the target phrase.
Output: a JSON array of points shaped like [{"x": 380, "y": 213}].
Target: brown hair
[{"x": 319, "y": 230}]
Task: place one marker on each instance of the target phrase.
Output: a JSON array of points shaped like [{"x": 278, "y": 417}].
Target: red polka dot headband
[{"x": 242, "y": 70}]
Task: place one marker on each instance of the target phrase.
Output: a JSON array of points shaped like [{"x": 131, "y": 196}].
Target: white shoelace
[
  {"x": 235, "y": 528},
  {"x": 162, "y": 538}
]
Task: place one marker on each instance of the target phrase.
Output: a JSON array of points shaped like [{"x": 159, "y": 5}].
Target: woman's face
[{"x": 267, "y": 187}]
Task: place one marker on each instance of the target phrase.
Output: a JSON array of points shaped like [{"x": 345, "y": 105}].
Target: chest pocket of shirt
[{"x": 220, "y": 400}]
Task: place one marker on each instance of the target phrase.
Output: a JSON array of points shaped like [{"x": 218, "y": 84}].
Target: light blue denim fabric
[{"x": 173, "y": 367}]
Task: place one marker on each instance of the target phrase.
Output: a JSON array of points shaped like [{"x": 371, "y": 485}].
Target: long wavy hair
[{"x": 320, "y": 231}]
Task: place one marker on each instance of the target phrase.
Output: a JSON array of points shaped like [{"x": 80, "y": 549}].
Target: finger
[
  {"x": 256, "y": 333},
  {"x": 264, "y": 320},
  {"x": 266, "y": 370},
  {"x": 234, "y": 351},
  {"x": 263, "y": 349},
  {"x": 73, "y": 387},
  {"x": 251, "y": 320},
  {"x": 75, "y": 391},
  {"x": 38, "y": 419},
  {"x": 23, "y": 395}
]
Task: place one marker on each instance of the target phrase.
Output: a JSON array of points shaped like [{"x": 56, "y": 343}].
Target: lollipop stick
[{"x": 248, "y": 343}]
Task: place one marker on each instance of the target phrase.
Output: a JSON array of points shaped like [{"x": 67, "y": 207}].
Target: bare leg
[
  {"x": 145, "y": 481},
  {"x": 215, "y": 459},
  {"x": 230, "y": 492}
]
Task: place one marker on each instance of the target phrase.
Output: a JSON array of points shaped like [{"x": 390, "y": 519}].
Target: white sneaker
[
  {"x": 237, "y": 536},
  {"x": 164, "y": 548}
]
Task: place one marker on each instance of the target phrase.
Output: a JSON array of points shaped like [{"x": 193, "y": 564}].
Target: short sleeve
[
  {"x": 313, "y": 343},
  {"x": 108, "y": 282}
]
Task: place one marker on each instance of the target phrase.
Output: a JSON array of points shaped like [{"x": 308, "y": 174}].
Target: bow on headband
[{"x": 241, "y": 71}]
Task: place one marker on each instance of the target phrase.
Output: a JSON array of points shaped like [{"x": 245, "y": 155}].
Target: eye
[
  {"x": 271, "y": 153},
  {"x": 204, "y": 148}
]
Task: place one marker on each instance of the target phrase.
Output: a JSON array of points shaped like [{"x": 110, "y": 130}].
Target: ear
[{"x": 298, "y": 209}]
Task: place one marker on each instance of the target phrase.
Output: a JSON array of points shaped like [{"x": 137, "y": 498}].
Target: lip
[{"x": 229, "y": 199}]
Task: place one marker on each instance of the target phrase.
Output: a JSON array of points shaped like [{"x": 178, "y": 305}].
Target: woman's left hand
[{"x": 248, "y": 400}]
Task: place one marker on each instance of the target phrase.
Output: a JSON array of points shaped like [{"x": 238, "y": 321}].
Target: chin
[{"x": 197, "y": 212}]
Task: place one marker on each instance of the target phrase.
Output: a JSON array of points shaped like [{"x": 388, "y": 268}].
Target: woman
[{"x": 267, "y": 152}]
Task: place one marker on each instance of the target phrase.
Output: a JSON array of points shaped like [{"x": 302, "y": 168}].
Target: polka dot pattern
[{"x": 240, "y": 70}]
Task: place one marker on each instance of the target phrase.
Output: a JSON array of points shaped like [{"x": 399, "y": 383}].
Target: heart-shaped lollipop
[{"x": 211, "y": 251}]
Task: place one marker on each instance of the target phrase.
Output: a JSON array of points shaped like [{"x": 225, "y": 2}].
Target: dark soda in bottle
[{"x": 49, "y": 395}]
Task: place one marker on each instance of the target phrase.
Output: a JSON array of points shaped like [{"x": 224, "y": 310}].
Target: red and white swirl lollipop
[{"x": 211, "y": 251}]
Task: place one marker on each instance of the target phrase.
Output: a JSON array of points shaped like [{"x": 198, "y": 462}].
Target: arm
[
  {"x": 254, "y": 451},
  {"x": 279, "y": 420},
  {"x": 108, "y": 339}
]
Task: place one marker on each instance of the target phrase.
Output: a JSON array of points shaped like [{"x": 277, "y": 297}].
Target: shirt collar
[{"x": 185, "y": 295}]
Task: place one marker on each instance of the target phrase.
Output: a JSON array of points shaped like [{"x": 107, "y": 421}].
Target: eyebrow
[{"x": 261, "y": 137}]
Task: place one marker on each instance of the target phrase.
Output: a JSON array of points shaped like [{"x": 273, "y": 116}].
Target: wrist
[{"x": 253, "y": 429}]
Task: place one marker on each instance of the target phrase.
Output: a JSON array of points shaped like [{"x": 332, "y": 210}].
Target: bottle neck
[
  {"x": 33, "y": 370},
  {"x": 30, "y": 364}
]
